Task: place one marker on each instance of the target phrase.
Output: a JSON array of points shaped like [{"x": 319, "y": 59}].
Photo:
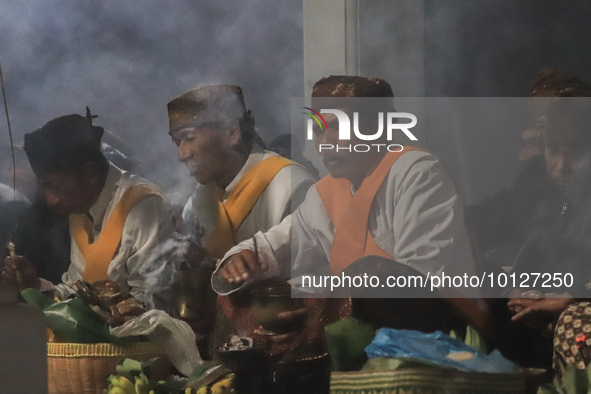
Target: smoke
[{"x": 126, "y": 60}]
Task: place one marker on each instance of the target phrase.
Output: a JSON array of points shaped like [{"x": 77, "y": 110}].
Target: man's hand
[
  {"x": 241, "y": 267},
  {"x": 519, "y": 299},
  {"x": 20, "y": 273},
  {"x": 516, "y": 305},
  {"x": 294, "y": 319},
  {"x": 544, "y": 312}
]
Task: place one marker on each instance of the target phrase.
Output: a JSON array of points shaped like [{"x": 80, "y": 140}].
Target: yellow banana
[
  {"x": 230, "y": 376},
  {"x": 118, "y": 390},
  {"x": 222, "y": 387},
  {"x": 221, "y": 390},
  {"x": 140, "y": 386},
  {"x": 204, "y": 390},
  {"x": 122, "y": 382}
]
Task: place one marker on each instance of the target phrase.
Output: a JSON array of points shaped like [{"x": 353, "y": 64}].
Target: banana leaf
[
  {"x": 346, "y": 341},
  {"x": 37, "y": 299},
  {"x": 74, "y": 321}
]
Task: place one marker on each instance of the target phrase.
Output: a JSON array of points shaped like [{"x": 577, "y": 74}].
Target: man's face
[
  {"x": 343, "y": 163},
  {"x": 68, "y": 191},
  {"x": 531, "y": 139},
  {"x": 564, "y": 153},
  {"x": 204, "y": 152}
]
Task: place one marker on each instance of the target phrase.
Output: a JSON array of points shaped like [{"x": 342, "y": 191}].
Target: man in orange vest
[
  {"x": 241, "y": 188},
  {"x": 117, "y": 220},
  {"x": 400, "y": 206}
]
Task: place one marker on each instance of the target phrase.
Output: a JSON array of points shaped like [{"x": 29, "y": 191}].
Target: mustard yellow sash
[
  {"x": 99, "y": 254},
  {"x": 240, "y": 202}
]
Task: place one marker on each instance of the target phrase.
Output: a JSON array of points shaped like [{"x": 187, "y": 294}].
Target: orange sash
[
  {"x": 98, "y": 255},
  {"x": 350, "y": 213},
  {"x": 239, "y": 203}
]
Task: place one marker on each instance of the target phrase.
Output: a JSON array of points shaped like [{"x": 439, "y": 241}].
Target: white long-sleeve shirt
[
  {"x": 148, "y": 226},
  {"x": 289, "y": 186},
  {"x": 416, "y": 216}
]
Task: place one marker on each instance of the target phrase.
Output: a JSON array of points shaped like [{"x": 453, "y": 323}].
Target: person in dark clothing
[
  {"x": 507, "y": 220},
  {"x": 43, "y": 237},
  {"x": 9, "y": 212},
  {"x": 560, "y": 243},
  {"x": 502, "y": 222}
]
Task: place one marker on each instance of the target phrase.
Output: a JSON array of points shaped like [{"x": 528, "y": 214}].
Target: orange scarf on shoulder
[
  {"x": 98, "y": 255},
  {"x": 349, "y": 214}
]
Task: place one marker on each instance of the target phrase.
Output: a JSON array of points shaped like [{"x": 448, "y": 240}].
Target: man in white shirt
[
  {"x": 118, "y": 221},
  {"x": 413, "y": 215},
  {"x": 241, "y": 187},
  {"x": 215, "y": 135}
]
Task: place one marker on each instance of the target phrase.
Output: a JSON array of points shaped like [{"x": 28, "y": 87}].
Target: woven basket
[
  {"x": 83, "y": 368},
  {"x": 425, "y": 381}
]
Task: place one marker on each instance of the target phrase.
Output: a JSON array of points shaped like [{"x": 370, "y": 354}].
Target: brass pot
[
  {"x": 268, "y": 302},
  {"x": 194, "y": 299}
]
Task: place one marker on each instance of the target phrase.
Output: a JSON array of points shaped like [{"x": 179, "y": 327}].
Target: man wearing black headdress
[{"x": 117, "y": 220}]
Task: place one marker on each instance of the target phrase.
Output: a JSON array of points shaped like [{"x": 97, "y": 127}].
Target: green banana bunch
[
  {"x": 130, "y": 378},
  {"x": 141, "y": 385},
  {"x": 223, "y": 386},
  {"x": 120, "y": 385},
  {"x": 117, "y": 390}
]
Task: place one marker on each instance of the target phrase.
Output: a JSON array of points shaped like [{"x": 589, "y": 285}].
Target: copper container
[
  {"x": 194, "y": 299},
  {"x": 268, "y": 302}
]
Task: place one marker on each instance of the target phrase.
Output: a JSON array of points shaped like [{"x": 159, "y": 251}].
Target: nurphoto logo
[{"x": 344, "y": 126}]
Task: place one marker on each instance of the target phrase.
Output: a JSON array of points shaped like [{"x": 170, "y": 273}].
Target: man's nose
[
  {"x": 328, "y": 137},
  {"x": 52, "y": 199},
  {"x": 563, "y": 165},
  {"x": 183, "y": 152}
]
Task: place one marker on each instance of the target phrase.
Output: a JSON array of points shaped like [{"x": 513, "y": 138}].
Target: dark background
[{"x": 475, "y": 48}]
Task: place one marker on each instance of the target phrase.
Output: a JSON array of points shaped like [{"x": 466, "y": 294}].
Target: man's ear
[
  {"x": 235, "y": 133},
  {"x": 91, "y": 173}
]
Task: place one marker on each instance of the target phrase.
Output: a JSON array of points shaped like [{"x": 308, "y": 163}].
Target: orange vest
[
  {"x": 349, "y": 215},
  {"x": 98, "y": 255}
]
